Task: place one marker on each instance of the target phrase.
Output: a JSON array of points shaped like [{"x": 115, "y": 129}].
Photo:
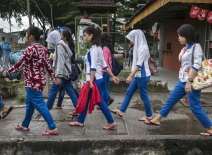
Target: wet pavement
[
  {"x": 180, "y": 124},
  {"x": 180, "y": 121}
]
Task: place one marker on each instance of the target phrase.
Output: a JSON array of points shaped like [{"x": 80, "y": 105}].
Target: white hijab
[
  {"x": 140, "y": 45},
  {"x": 139, "y": 40},
  {"x": 53, "y": 37}
]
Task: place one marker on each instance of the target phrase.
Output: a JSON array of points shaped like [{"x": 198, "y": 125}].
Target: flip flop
[
  {"x": 75, "y": 124},
  {"x": 151, "y": 123},
  {"x": 56, "y": 107},
  {"x": 6, "y": 113},
  {"x": 21, "y": 128},
  {"x": 144, "y": 118},
  {"x": 49, "y": 133},
  {"x": 116, "y": 112},
  {"x": 110, "y": 101},
  {"x": 108, "y": 127},
  {"x": 73, "y": 113},
  {"x": 206, "y": 133}
]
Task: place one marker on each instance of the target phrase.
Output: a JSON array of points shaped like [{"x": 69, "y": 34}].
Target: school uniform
[
  {"x": 95, "y": 62},
  {"x": 185, "y": 57},
  {"x": 142, "y": 76}
]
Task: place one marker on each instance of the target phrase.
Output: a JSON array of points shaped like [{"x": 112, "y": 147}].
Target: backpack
[
  {"x": 75, "y": 71},
  {"x": 152, "y": 66},
  {"x": 116, "y": 68}
]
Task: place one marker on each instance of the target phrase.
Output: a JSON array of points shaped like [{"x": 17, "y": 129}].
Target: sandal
[
  {"x": 110, "y": 101},
  {"x": 110, "y": 127},
  {"x": 4, "y": 114},
  {"x": 76, "y": 124},
  {"x": 116, "y": 112},
  {"x": 206, "y": 133},
  {"x": 149, "y": 122},
  {"x": 56, "y": 107},
  {"x": 21, "y": 128},
  {"x": 144, "y": 118},
  {"x": 50, "y": 132},
  {"x": 73, "y": 113}
]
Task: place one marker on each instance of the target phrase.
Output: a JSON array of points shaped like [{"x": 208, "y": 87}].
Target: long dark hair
[
  {"x": 34, "y": 31},
  {"x": 105, "y": 41},
  {"x": 188, "y": 32},
  {"x": 67, "y": 34},
  {"x": 96, "y": 34}
]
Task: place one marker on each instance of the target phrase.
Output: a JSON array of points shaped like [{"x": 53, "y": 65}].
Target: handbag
[
  {"x": 152, "y": 66},
  {"x": 203, "y": 79}
]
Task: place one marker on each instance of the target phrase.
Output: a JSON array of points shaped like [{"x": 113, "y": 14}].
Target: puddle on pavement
[
  {"x": 177, "y": 127},
  {"x": 155, "y": 104}
]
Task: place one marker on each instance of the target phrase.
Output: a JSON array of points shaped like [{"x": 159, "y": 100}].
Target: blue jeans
[
  {"x": 194, "y": 103},
  {"x": 103, "y": 106},
  {"x": 1, "y": 105},
  {"x": 62, "y": 94},
  {"x": 140, "y": 83},
  {"x": 34, "y": 100},
  {"x": 105, "y": 88},
  {"x": 66, "y": 84}
]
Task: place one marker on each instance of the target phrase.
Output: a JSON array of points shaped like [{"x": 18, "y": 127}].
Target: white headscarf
[
  {"x": 140, "y": 49},
  {"x": 139, "y": 40},
  {"x": 53, "y": 37}
]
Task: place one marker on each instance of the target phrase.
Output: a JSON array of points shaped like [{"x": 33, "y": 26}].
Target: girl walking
[
  {"x": 35, "y": 61},
  {"x": 94, "y": 64},
  {"x": 107, "y": 53},
  {"x": 62, "y": 55},
  {"x": 188, "y": 70},
  {"x": 139, "y": 76}
]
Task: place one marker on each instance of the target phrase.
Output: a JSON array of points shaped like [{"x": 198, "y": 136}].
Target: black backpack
[{"x": 116, "y": 68}]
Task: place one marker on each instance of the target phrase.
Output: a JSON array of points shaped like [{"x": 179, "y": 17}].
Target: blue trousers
[
  {"x": 103, "y": 106},
  {"x": 1, "y": 105},
  {"x": 34, "y": 100},
  {"x": 62, "y": 94},
  {"x": 140, "y": 83},
  {"x": 105, "y": 88},
  {"x": 194, "y": 103},
  {"x": 66, "y": 84}
]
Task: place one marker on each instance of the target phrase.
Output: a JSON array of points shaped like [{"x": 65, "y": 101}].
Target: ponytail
[{"x": 96, "y": 34}]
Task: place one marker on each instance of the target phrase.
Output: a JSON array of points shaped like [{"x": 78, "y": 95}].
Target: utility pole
[{"x": 29, "y": 14}]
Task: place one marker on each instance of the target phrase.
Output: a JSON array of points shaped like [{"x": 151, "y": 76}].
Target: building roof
[
  {"x": 163, "y": 11},
  {"x": 97, "y": 6}
]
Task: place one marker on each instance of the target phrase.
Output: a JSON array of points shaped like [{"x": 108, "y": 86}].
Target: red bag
[
  {"x": 202, "y": 14},
  {"x": 83, "y": 98},
  {"x": 209, "y": 17},
  {"x": 194, "y": 12}
]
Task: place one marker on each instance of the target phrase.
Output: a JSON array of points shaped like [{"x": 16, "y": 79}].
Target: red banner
[
  {"x": 202, "y": 14},
  {"x": 209, "y": 17},
  {"x": 194, "y": 12}
]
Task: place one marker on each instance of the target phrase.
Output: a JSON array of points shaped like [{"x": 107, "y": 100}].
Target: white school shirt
[
  {"x": 186, "y": 61},
  {"x": 140, "y": 59},
  {"x": 95, "y": 62}
]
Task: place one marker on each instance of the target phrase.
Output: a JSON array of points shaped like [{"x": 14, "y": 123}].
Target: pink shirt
[{"x": 107, "y": 57}]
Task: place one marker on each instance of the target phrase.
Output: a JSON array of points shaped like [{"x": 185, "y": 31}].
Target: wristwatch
[{"x": 190, "y": 79}]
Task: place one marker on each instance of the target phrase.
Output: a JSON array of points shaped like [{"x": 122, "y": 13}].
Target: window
[{"x": 169, "y": 46}]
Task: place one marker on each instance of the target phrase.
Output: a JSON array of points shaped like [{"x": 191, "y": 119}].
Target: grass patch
[
  {"x": 21, "y": 99},
  {"x": 124, "y": 74}
]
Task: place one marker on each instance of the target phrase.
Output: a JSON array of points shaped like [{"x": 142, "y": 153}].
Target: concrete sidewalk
[{"x": 179, "y": 134}]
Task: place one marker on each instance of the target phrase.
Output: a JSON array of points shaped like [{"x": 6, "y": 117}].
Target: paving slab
[{"x": 179, "y": 133}]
